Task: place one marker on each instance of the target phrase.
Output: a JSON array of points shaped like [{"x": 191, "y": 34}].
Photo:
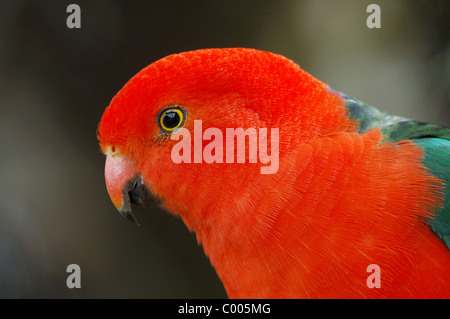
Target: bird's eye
[{"x": 171, "y": 118}]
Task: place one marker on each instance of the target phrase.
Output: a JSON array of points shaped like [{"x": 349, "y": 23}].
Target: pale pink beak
[{"x": 126, "y": 186}]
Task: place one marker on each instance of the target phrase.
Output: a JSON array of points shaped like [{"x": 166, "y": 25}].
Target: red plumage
[{"x": 339, "y": 201}]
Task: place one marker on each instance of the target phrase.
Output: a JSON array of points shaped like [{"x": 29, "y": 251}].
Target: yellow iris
[{"x": 171, "y": 119}]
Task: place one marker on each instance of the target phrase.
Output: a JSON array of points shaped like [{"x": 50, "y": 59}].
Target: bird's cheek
[{"x": 118, "y": 170}]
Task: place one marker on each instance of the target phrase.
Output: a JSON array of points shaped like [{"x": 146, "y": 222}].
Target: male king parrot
[{"x": 354, "y": 187}]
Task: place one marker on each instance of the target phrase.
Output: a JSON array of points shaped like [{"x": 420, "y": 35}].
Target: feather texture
[
  {"x": 355, "y": 186},
  {"x": 433, "y": 139}
]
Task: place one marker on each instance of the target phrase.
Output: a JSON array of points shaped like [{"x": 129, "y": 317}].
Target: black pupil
[{"x": 171, "y": 119}]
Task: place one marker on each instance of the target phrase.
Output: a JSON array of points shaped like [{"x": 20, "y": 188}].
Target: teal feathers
[
  {"x": 437, "y": 160},
  {"x": 433, "y": 139}
]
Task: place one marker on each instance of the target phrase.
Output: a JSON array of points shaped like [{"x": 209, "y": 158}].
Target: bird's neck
[{"x": 330, "y": 202}]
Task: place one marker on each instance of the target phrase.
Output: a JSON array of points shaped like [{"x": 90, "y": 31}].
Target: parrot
[{"x": 354, "y": 187}]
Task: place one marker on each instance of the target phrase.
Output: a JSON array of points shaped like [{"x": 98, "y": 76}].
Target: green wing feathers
[
  {"x": 437, "y": 160},
  {"x": 433, "y": 139}
]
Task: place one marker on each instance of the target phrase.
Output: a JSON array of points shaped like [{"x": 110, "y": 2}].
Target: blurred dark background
[{"x": 55, "y": 83}]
